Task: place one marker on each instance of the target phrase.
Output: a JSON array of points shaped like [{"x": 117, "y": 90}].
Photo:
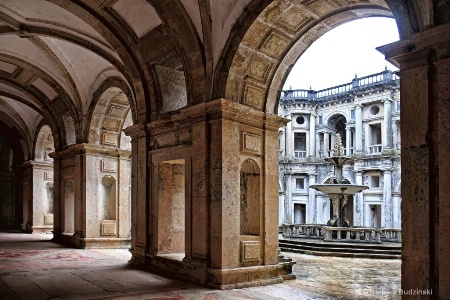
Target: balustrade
[
  {"x": 342, "y": 234},
  {"x": 299, "y": 154},
  {"x": 332, "y": 92},
  {"x": 391, "y": 235},
  {"x": 352, "y": 234},
  {"x": 302, "y": 230},
  {"x": 375, "y": 149}
]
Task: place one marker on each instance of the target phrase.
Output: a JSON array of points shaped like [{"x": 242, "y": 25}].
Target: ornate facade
[{"x": 366, "y": 114}]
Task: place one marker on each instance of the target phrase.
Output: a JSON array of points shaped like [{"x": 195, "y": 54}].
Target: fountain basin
[{"x": 342, "y": 189}]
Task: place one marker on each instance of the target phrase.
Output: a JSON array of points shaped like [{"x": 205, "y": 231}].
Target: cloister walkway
[{"x": 32, "y": 267}]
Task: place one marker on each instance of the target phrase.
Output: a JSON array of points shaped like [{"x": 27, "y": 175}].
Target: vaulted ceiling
[{"x": 56, "y": 55}]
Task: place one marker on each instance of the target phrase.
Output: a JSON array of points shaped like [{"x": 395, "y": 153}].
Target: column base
[
  {"x": 109, "y": 243},
  {"x": 175, "y": 265},
  {"x": 42, "y": 229},
  {"x": 65, "y": 239}
]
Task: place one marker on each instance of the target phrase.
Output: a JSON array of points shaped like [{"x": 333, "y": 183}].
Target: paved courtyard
[{"x": 32, "y": 267}]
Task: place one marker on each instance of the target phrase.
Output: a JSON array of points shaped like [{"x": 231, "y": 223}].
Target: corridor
[{"x": 32, "y": 267}]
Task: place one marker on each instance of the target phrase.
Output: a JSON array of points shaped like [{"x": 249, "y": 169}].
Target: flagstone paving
[{"x": 32, "y": 267}]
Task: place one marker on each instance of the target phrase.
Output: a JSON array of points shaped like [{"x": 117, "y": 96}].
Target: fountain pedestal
[{"x": 339, "y": 190}]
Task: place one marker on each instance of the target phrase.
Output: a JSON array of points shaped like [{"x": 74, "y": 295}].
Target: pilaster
[
  {"x": 425, "y": 97},
  {"x": 358, "y": 130}
]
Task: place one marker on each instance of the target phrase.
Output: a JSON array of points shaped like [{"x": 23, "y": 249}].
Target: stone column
[
  {"x": 387, "y": 129},
  {"x": 317, "y": 144},
  {"x": 425, "y": 129},
  {"x": 282, "y": 135},
  {"x": 394, "y": 135},
  {"x": 140, "y": 189},
  {"x": 288, "y": 210},
  {"x": 333, "y": 138},
  {"x": 57, "y": 186},
  {"x": 387, "y": 199},
  {"x": 289, "y": 140},
  {"x": 326, "y": 143},
  {"x": 312, "y": 211},
  {"x": 396, "y": 212},
  {"x": 348, "y": 135},
  {"x": 358, "y": 207},
  {"x": 312, "y": 135},
  {"x": 358, "y": 129}
]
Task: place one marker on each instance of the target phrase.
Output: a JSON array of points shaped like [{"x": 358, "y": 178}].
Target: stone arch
[
  {"x": 107, "y": 115},
  {"x": 268, "y": 43},
  {"x": 44, "y": 144},
  {"x": 183, "y": 30},
  {"x": 112, "y": 104}
]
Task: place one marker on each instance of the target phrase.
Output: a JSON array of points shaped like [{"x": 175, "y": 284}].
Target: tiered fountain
[{"x": 339, "y": 190}]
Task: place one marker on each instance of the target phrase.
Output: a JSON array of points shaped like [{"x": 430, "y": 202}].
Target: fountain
[{"x": 338, "y": 190}]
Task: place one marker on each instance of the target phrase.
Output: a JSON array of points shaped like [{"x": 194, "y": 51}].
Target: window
[
  {"x": 374, "y": 181},
  {"x": 397, "y": 105},
  {"x": 352, "y": 114},
  {"x": 375, "y": 140},
  {"x": 300, "y": 144},
  {"x": 374, "y": 110},
  {"x": 300, "y": 120},
  {"x": 320, "y": 120},
  {"x": 300, "y": 183}
]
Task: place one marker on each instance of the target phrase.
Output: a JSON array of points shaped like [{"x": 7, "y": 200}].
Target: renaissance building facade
[{"x": 366, "y": 114}]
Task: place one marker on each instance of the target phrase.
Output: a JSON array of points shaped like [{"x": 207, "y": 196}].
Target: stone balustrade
[
  {"x": 342, "y": 234},
  {"x": 352, "y": 234},
  {"x": 375, "y": 149},
  {"x": 391, "y": 235},
  {"x": 303, "y": 230}
]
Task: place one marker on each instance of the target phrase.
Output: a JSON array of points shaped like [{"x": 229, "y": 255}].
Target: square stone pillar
[
  {"x": 37, "y": 194},
  {"x": 228, "y": 155},
  {"x": 140, "y": 189},
  {"x": 424, "y": 86},
  {"x": 93, "y": 208}
]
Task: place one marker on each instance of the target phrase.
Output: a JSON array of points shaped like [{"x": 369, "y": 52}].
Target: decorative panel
[
  {"x": 274, "y": 44},
  {"x": 111, "y": 124},
  {"x": 109, "y": 139},
  {"x": 108, "y": 166},
  {"x": 48, "y": 219},
  {"x": 48, "y": 175},
  {"x": 117, "y": 111},
  {"x": 250, "y": 251},
  {"x": 322, "y": 7},
  {"x": 295, "y": 19},
  {"x": 108, "y": 228},
  {"x": 251, "y": 143},
  {"x": 260, "y": 68},
  {"x": 253, "y": 96}
]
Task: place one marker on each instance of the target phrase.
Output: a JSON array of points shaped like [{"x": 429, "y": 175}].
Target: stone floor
[{"x": 31, "y": 267}]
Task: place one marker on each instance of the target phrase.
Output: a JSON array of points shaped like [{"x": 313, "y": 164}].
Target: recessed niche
[{"x": 250, "y": 198}]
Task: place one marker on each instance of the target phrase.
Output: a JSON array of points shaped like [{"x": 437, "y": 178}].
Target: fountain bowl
[{"x": 342, "y": 189}]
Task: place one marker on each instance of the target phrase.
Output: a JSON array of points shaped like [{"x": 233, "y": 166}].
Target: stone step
[{"x": 322, "y": 248}]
